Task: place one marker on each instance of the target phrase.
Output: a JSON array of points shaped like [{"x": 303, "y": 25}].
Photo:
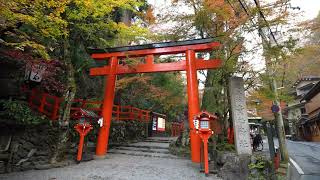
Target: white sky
[{"x": 309, "y": 9}]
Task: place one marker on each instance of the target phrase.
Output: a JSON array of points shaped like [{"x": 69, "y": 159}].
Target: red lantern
[{"x": 202, "y": 125}]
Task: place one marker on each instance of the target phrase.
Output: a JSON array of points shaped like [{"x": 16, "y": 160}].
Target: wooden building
[{"x": 309, "y": 124}]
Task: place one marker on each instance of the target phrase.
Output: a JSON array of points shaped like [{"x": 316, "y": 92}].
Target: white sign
[
  {"x": 196, "y": 123},
  {"x": 161, "y": 124},
  {"x": 100, "y": 121},
  {"x": 154, "y": 124},
  {"x": 37, "y": 72}
]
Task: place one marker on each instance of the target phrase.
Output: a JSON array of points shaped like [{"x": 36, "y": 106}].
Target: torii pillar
[{"x": 193, "y": 103}]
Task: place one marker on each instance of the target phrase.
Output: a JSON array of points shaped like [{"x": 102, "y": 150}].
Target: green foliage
[
  {"x": 258, "y": 165},
  {"x": 260, "y": 168},
  {"x": 43, "y": 25},
  {"x": 159, "y": 92},
  {"x": 20, "y": 112},
  {"x": 225, "y": 146}
]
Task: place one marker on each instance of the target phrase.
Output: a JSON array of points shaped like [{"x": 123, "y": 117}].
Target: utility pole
[{"x": 273, "y": 85}]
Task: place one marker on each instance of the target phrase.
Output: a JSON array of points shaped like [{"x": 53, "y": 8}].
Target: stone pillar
[{"x": 239, "y": 116}]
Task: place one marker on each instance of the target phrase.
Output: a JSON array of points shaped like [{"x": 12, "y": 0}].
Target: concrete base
[{"x": 95, "y": 157}]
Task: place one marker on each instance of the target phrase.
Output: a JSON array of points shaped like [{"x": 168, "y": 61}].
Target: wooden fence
[{"x": 50, "y": 106}]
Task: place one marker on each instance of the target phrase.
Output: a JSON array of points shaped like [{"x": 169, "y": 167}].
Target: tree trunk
[{"x": 64, "y": 133}]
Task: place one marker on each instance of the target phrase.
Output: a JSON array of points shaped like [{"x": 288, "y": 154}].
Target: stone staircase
[{"x": 151, "y": 147}]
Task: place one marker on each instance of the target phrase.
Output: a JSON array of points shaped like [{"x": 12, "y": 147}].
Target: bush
[
  {"x": 225, "y": 146},
  {"x": 260, "y": 168},
  {"x": 20, "y": 112}
]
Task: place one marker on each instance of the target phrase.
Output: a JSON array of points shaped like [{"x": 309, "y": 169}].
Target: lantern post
[
  {"x": 202, "y": 125},
  {"x": 83, "y": 128}
]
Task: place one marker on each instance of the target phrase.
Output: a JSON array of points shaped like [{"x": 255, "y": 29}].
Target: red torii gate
[{"x": 190, "y": 65}]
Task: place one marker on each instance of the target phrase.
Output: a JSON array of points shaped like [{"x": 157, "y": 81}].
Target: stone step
[
  {"x": 157, "y": 141},
  {"x": 149, "y": 145},
  {"x": 144, "y": 154},
  {"x": 163, "y": 138},
  {"x": 150, "y": 150}
]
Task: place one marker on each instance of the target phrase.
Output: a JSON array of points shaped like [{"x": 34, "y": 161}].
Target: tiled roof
[
  {"x": 313, "y": 92},
  {"x": 306, "y": 78}
]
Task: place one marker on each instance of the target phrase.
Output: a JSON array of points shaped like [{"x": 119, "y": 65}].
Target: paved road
[
  {"x": 306, "y": 155},
  {"x": 147, "y": 160}
]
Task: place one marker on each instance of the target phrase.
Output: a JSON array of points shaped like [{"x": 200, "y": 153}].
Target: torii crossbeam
[{"x": 191, "y": 64}]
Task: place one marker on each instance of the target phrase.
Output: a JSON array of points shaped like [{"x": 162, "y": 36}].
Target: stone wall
[
  {"x": 124, "y": 131},
  {"x": 35, "y": 144}
]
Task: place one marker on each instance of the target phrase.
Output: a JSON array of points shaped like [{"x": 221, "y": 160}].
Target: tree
[
  {"x": 60, "y": 28},
  {"x": 305, "y": 60},
  {"x": 222, "y": 21}
]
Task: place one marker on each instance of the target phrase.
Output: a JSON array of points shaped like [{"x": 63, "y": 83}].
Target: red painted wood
[
  {"x": 149, "y": 59},
  {"x": 46, "y": 101},
  {"x": 161, "y": 67},
  {"x": 83, "y": 130},
  {"x": 56, "y": 105},
  {"x": 103, "y": 136},
  {"x": 118, "y": 113},
  {"x": 193, "y": 103}
]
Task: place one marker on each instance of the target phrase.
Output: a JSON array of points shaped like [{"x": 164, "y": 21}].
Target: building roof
[
  {"x": 313, "y": 92},
  {"x": 294, "y": 106},
  {"x": 306, "y": 78},
  {"x": 307, "y": 86}
]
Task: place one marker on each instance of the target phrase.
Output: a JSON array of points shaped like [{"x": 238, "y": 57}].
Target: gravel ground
[{"x": 119, "y": 167}]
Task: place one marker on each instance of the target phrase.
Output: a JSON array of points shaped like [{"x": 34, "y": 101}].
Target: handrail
[
  {"x": 177, "y": 128},
  {"x": 49, "y": 105}
]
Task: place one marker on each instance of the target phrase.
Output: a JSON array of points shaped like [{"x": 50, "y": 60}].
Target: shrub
[{"x": 20, "y": 112}]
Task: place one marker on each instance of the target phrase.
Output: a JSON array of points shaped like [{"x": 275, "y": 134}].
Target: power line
[
  {"x": 264, "y": 18},
  {"x": 246, "y": 11},
  {"x": 253, "y": 35}
]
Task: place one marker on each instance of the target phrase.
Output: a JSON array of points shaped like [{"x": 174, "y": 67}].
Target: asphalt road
[{"x": 306, "y": 155}]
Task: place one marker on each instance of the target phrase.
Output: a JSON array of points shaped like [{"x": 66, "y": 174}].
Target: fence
[
  {"x": 45, "y": 103},
  {"x": 118, "y": 112},
  {"x": 176, "y": 128},
  {"x": 50, "y": 105}
]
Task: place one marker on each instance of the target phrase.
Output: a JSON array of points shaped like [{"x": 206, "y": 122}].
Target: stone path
[{"x": 145, "y": 160}]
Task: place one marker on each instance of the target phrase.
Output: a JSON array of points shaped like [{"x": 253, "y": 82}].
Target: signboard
[
  {"x": 196, "y": 123},
  {"x": 37, "y": 72},
  {"x": 275, "y": 108},
  {"x": 161, "y": 124},
  {"x": 154, "y": 123},
  {"x": 240, "y": 116},
  {"x": 34, "y": 72}
]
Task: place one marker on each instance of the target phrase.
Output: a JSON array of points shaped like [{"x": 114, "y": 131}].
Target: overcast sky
[
  {"x": 309, "y": 7},
  {"x": 309, "y": 10}
]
